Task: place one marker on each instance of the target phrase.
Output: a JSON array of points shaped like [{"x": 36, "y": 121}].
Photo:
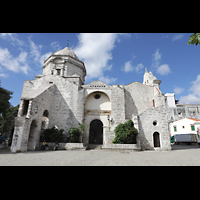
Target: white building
[
  {"x": 176, "y": 111},
  {"x": 185, "y": 126}
]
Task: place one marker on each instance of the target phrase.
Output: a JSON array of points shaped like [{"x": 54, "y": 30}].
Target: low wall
[
  {"x": 63, "y": 146},
  {"x": 80, "y": 146},
  {"x": 120, "y": 147},
  {"x": 73, "y": 146},
  {"x": 51, "y": 145}
]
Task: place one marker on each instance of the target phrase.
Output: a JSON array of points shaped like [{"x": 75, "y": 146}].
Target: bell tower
[{"x": 150, "y": 80}]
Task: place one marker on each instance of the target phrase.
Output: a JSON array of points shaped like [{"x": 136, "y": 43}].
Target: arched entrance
[
  {"x": 31, "y": 140},
  {"x": 156, "y": 139},
  {"x": 96, "y": 132},
  {"x": 97, "y": 108}
]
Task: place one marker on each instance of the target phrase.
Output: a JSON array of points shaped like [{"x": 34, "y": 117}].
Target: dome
[{"x": 66, "y": 52}]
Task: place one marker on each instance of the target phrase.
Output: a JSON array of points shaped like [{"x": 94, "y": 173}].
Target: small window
[
  {"x": 175, "y": 129},
  {"x": 97, "y": 96},
  {"x": 192, "y": 128},
  {"x": 58, "y": 71},
  {"x": 155, "y": 123},
  {"x": 153, "y": 103}
]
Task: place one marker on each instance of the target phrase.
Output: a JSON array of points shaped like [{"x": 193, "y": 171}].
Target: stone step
[{"x": 95, "y": 146}]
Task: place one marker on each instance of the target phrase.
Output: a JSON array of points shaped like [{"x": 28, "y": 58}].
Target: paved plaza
[{"x": 181, "y": 155}]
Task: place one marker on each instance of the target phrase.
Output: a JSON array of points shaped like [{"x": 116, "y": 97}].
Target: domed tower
[{"x": 64, "y": 63}]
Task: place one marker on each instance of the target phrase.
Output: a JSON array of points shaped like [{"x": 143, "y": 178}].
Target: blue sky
[{"x": 114, "y": 58}]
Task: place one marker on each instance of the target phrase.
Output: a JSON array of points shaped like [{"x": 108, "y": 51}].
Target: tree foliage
[
  {"x": 5, "y": 96},
  {"x": 125, "y": 133},
  {"x": 74, "y": 135},
  {"x": 7, "y": 112},
  {"x": 7, "y": 118},
  {"x": 52, "y": 135},
  {"x": 194, "y": 39}
]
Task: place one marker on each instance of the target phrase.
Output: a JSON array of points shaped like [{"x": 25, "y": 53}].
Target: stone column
[
  {"x": 20, "y": 112},
  {"x": 29, "y": 109}
]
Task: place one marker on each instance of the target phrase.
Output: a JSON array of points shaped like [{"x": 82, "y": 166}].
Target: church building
[{"x": 60, "y": 98}]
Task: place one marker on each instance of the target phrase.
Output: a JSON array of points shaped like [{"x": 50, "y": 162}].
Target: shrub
[
  {"x": 52, "y": 135},
  {"x": 125, "y": 133},
  {"x": 74, "y": 135}
]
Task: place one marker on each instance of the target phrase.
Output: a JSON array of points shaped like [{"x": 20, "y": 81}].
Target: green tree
[
  {"x": 82, "y": 128},
  {"x": 74, "y": 135},
  {"x": 125, "y": 133},
  {"x": 52, "y": 134},
  {"x": 5, "y": 96},
  {"x": 7, "y": 112},
  {"x": 7, "y": 117},
  {"x": 194, "y": 39}
]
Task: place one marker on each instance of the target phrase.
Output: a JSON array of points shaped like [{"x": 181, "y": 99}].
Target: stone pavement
[{"x": 180, "y": 155}]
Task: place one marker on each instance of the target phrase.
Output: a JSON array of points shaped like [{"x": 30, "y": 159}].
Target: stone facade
[{"x": 60, "y": 98}]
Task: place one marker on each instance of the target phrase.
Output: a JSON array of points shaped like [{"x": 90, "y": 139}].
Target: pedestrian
[{"x": 44, "y": 144}]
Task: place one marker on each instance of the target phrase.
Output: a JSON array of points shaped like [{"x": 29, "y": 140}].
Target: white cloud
[
  {"x": 194, "y": 96},
  {"x": 138, "y": 68},
  {"x": 189, "y": 99},
  {"x": 178, "y": 37},
  {"x": 44, "y": 57},
  {"x": 95, "y": 49},
  {"x": 35, "y": 50},
  {"x": 28, "y": 52},
  {"x": 4, "y": 75},
  {"x": 156, "y": 61},
  {"x": 14, "y": 64},
  {"x": 178, "y": 90},
  {"x": 164, "y": 36},
  {"x": 12, "y": 37},
  {"x": 56, "y": 45},
  {"x": 156, "y": 58},
  {"x": 128, "y": 67},
  {"x": 107, "y": 79},
  {"x": 164, "y": 69},
  {"x": 196, "y": 86}
]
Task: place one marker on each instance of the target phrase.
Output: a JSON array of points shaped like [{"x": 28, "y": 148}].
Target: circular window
[
  {"x": 97, "y": 96},
  {"x": 155, "y": 123}
]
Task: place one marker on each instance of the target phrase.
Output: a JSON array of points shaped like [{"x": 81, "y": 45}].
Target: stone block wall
[
  {"x": 151, "y": 121},
  {"x": 138, "y": 98},
  {"x": 67, "y": 107},
  {"x": 117, "y": 105}
]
